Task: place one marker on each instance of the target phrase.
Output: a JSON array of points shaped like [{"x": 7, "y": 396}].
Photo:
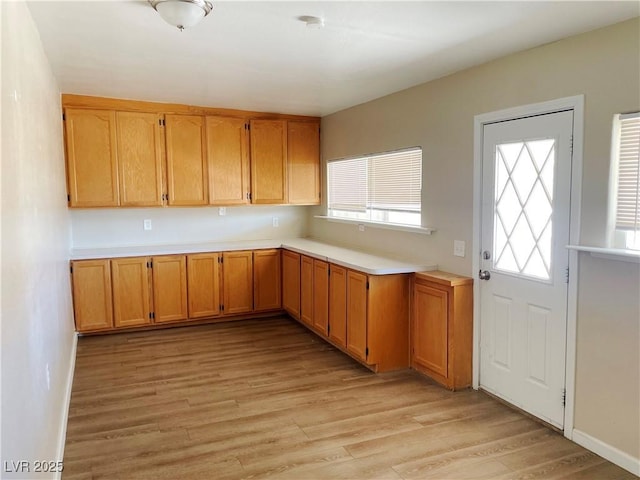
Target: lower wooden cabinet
[
  {"x": 267, "y": 280},
  {"x": 203, "y": 285},
  {"x": 237, "y": 283},
  {"x": 291, "y": 283},
  {"x": 169, "y": 288},
  {"x": 442, "y": 328},
  {"x": 131, "y": 279},
  {"x": 321, "y": 296},
  {"x": 92, "y": 298},
  {"x": 337, "y": 327},
  {"x": 306, "y": 290},
  {"x": 366, "y": 316}
]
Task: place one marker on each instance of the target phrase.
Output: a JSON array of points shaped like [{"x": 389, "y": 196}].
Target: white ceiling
[{"x": 258, "y": 56}]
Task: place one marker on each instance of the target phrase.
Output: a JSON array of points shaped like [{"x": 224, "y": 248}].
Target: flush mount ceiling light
[{"x": 182, "y": 13}]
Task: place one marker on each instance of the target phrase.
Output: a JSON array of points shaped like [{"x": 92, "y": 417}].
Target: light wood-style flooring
[{"x": 266, "y": 398}]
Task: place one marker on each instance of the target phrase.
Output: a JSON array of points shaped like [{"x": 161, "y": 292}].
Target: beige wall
[
  {"x": 603, "y": 65},
  {"x": 37, "y": 325},
  {"x": 93, "y": 228}
]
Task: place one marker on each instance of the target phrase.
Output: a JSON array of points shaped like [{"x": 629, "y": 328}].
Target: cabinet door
[
  {"x": 267, "y": 280},
  {"x": 303, "y": 162},
  {"x": 291, "y": 283},
  {"x": 268, "y": 161},
  {"x": 169, "y": 288},
  {"x": 130, "y": 277},
  {"x": 237, "y": 287},
  {"x": 430, "y": 330},
  {"x": 338, "y": 305},
  {"x": 320, "y": 296},
  {"x": 203, "y": 285},
  {"x": 92, "y": 302},
  {"x": 357, "y": 314},
  {"x": 92, "y": 166},
  {"x": 186, "y": 160},
  {"x": 306, "y": 290},
  {"x": 228, "y": 160},
  {"x": 139, "y": 158}
]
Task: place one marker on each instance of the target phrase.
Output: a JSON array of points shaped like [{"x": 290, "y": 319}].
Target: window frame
[
  {"x": 618, "y": 238},
  {"x": 364, "y": 217}
]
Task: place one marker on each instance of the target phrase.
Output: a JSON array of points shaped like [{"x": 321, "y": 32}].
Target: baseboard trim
[
  {"x": 607, "y": 451},
  {"x": 67, "y": 402}
]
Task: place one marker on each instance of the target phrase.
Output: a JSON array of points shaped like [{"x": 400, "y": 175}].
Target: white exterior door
[{"x": 526, "y": 184}]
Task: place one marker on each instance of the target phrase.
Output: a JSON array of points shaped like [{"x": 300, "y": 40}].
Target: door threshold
[{"x": 523, "y": 412}]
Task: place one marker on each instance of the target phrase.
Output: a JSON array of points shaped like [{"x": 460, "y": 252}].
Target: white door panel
[{"x": 525, "y": 229}]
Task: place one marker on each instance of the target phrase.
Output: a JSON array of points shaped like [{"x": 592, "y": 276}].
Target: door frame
[{"x": 575, "y": 103}]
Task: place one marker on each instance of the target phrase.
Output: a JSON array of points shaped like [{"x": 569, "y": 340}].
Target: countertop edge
[{"x": 390, "y": 266}]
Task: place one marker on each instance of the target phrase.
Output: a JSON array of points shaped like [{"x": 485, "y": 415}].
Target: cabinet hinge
[
  {"x": 250, "y": 196},
  {"x": 366, "y": 352},
  {"x": 222, "y": 307},
  {"x": 328, "y": 329},
  {"x": 68, "y": 198},
  {"x": 567, "y": 275},
  {"x": 149, "y": 264},
  {"x": 64, "y": 117},
  {"x": 571, "y": 145},
  {"x": 152, "y": 315},
  {"x": 71, "y": 268},
  {"x": 248, "y": 126},
  {"x": 564, "y": 397},
  {"x": 367, "y": 284}
]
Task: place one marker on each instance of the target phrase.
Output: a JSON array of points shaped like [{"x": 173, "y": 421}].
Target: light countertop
[{"x": 364, "y": 262}]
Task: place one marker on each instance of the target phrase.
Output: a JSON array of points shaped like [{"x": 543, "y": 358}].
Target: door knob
[{"x": 484, "y": 275}]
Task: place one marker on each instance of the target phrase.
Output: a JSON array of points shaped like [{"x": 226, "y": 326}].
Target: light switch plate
[
  {"x": 222, "y": 211},
  {"x": 147, "y": 224},
  {"x": 275, "y": 221},
  {"x": 458, "y": 248},
  {"x": 361, "y": 227}
]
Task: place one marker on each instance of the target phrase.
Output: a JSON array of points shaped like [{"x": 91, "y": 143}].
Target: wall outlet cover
[
  {"x": 275, "y": 222},
  {"x": 222, "y": 211},
  {"x": 147, "y": 224},
  {"x": 458, "y": 248}
]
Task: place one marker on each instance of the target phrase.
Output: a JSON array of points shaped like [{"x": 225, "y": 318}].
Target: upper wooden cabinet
[
  {"x": 268, "y": 161},
  {"x": 92, "y": 166},
  {"x": 228, "y": 158},
  {"x": 125, "y": 153},
  {"x": 303, "y": 162},
  {"x": 187, "y": 177},
  {"x": 140, "y": 158}
]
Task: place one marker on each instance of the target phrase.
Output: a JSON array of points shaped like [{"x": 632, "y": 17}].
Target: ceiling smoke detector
[
  {"x": 182, "y": 13},
  {"x": 311, "y": 21}
]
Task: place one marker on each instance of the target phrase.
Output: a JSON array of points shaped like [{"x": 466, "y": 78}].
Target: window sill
[
  {"x": 619, "y": 254},
  {"x": 383, "y": 226}
]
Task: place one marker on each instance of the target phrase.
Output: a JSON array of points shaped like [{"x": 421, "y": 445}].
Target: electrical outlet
[
  {"x": 222, "y": 211},
  {"x": 361, "y": 227},
  {"x": 276, "y": 222},
  {"x": 147, "y": 224},
  {"x": 458, "y": 248}
]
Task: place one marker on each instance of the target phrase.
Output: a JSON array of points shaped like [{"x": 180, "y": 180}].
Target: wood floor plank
[{"x": 268, "y": 399}]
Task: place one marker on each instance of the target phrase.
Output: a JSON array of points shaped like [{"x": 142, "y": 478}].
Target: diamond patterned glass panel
[{"x": 523, "y": 207}]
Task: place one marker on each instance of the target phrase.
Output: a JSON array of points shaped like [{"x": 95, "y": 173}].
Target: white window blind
[
  {"x": 628, "y": 173},
  {"x": 383, "y": 187}
]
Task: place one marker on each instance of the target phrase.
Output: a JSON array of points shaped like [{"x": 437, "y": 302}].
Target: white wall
[
  {"x": 604, "y": 65},
  {"x": 94, "y": 228},
  {"x": 37, "y": 325}
]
